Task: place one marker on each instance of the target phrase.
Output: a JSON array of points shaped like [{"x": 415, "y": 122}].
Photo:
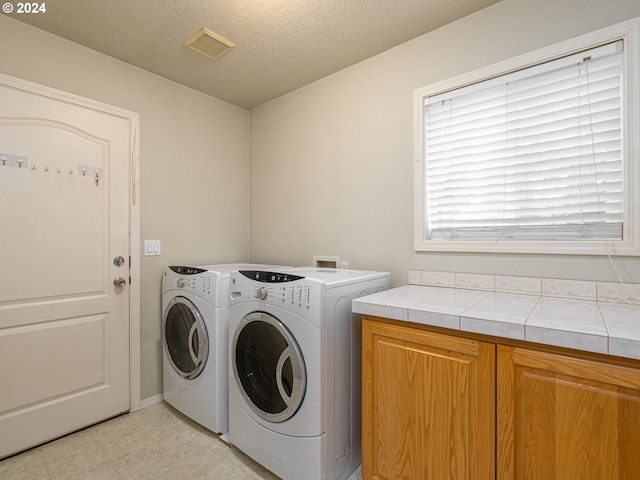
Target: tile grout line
[
  {"x": 47, "y": 466},
  {"x": 142, "y": 429},
  {"x": 108, "y": 458}
]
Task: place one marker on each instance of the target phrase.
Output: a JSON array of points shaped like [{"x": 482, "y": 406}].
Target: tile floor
[{"x": 155, "y": 443}]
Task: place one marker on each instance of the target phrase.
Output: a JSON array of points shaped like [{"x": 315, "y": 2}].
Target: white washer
[
  {"x": 294, "y": 388},
  {"x": 195, "y": 341}
]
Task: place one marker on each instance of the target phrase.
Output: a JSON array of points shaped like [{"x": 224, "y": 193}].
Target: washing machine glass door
[
  {"x": 268, "y": 367},
  {"x": 185, "y": 338}
]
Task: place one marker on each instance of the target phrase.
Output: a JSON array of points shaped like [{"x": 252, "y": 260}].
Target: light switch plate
[{"x": 151, "y": 248}]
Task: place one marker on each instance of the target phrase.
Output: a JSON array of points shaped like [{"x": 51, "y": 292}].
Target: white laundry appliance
[
  {"x": 196, "y": 340},
  {"x": 294, "y": 390}
]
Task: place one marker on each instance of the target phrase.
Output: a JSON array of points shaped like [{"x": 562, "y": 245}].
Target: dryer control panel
[
  {"x": 270, "y": 277},
  {"x": 284, "y": 293},
  {"x": 299, "y": 294},
  {"x": 296, "y": 293},
  {"x": 182, "y": 270},
  {"x": 197, "y": 284},
  {"x": 193, "y": 279}
]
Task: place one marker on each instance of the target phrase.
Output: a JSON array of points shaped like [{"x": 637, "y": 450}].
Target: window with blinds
[{"x": 536, "y": 154}]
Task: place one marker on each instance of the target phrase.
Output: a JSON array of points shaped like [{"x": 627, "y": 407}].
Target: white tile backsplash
[
  {"x": 437, "y": 279},
  {"x": 474, "y": 281},
  {"x": 619, "y": 292},
  {"x": 525, "y": 285},
  {"x": 572, "y": 289},
  {"x": 413, "y": 277}
]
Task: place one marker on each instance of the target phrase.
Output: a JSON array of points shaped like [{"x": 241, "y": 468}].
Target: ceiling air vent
[{"x": 209, "y": 43}]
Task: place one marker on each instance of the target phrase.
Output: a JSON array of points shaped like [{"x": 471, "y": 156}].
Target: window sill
[{"x": 530, "y": 247}]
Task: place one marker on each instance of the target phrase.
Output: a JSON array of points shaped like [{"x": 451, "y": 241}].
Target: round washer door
[
  {"x": 268, "y": 367},
  {"x": 185, "y": 338}
]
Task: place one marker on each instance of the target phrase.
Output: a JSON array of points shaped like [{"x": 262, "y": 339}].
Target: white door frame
[{"x": 134, "y": 216}]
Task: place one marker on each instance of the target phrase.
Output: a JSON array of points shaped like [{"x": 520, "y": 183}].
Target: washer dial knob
[{"x": 262, "y": 293}]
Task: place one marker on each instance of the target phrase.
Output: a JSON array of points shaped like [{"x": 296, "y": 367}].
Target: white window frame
[{"x": 629, "y": 32}]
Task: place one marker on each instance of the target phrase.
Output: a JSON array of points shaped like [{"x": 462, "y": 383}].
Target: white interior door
[{"x": 64, "y": 218}]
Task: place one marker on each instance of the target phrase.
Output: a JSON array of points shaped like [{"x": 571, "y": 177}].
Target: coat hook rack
[
  {"x": 9, "y": 160},
  {"x": 86, "y": 171}
]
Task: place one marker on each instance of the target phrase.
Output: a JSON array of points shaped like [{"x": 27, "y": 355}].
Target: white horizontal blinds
[{"x": 532, "y": 155}]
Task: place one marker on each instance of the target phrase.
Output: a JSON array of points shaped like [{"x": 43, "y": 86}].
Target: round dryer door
[
  {"x": 268, "y": 367},
  {"x": 185, "y": 338}
]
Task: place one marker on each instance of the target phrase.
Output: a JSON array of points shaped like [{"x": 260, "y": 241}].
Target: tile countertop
[{"x": 588, "y": 325}]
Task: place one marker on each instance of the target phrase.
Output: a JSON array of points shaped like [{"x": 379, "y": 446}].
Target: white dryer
[
  {"x": 195, "y": 341},
  {"x": 294, "y": 389}
]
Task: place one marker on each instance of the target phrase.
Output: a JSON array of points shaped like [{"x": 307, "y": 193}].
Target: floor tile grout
[
  {"x": 43, "y": 458},
  {"x": 141, "y": 427},
  {"x": 110, "y": 460}
]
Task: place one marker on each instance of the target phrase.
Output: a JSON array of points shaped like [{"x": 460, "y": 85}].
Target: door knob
[{"x": 119, "y": 282}]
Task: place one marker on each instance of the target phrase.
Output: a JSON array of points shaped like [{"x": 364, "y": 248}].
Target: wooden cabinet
[
  {"x": 564, "y": 418},
  {"x": 428, "y": 405},
  {"x": 431, "y": 403}
]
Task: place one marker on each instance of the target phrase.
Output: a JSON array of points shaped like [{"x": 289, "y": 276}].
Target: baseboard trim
[{"x": 147, "y": 402}]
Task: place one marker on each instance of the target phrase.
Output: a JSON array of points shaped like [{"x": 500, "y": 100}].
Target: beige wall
[
  {"x": 193, "y": 162},
  {"x": 332, "y": 163}
]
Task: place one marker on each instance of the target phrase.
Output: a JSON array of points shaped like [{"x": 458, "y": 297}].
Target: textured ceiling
[{"x": 281, "y": 45}]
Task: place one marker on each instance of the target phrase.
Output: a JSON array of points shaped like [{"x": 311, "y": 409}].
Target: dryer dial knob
[
  {"x": 181, "y": 283},
  {"x": 262, "y": 293}
]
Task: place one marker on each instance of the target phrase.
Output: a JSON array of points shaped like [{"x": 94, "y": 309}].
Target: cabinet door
[
  {"x": 563, "y": 418},
  {"x": 428, "y": 405}
]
